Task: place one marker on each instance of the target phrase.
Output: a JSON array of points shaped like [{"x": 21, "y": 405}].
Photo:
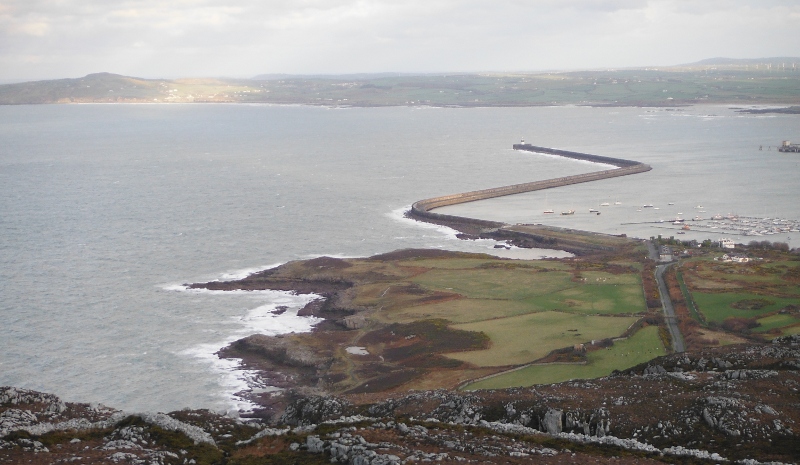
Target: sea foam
[{"x": 269, "y": 318}]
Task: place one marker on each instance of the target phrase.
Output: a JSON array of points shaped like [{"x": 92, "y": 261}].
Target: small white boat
[
  {"x": 593, "y": 210},
  {"x": 549, "y": 211},
  {"x": 648, "y": 205},
  {"x": 618, "y": 203},
  {"x": 605, "y": 204},
  {"x": 568, "y": 212}
]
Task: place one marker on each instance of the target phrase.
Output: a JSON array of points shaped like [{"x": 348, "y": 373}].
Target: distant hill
[
  {"x": 768, "y": 81},
  {"x": 356, "y": 76},
  {"x": 115, "y": 88},
  {"x": 721, "y": 61},
  {"x": 99, "y": 87}
]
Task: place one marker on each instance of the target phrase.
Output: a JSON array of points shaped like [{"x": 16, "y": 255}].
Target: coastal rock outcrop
[
  {"x": 280, "y": 350},
  {"x": 734, "y": 403}
]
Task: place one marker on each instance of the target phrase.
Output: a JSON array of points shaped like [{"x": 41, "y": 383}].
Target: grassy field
[
  {"x": 717, "y": 307},
  {"x": 776, "y": 321},
  {"x": 789, "y": 330},
  {"x": 710, "y": 274},
  {"x": 523, "y": 339},
  {"x": 527, "y": 309},
  {"x": 639, "y": 348},
  {"x": 472, "y": 263},
  {"x": 514, "y": 284},
  {"x": 592, "y": 298},
  {"x": 433, "y": 319},
  {"x": 458, "y": 311},
  {"x": 745, "y": 297}
]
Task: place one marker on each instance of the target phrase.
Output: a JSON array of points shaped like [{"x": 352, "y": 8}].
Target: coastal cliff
[{"x": 734, "y": 404}]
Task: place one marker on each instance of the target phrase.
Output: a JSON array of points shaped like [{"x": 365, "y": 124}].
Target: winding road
[{"x": 666, "y": 303}]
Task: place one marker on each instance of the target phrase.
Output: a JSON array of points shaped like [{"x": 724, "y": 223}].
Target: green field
[
  {"x": 790, "y": 330},
  {"x": 523, "y": 339},
  {"x": 716, "y": 307},
  {"x": 597, "y": 293},
  {"x": 753, "y": 273},
  {"x": 594, "y": 299},
  {"x": 514, "y": 284},
  {"x": 518, "y": 311},
  {"x": 639, "y": 348},
  {"x": 775, "y": 321},
  {"x": 459, "y": 311},
  {"x": 477, "y": 263}
]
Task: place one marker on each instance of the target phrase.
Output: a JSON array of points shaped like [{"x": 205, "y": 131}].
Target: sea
[{"x": 106, "y": 211}]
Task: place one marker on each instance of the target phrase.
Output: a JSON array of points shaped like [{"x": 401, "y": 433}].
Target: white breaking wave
[
  {"x": 486, "y": 246},
  {"x": 245, "y": 272},
  {"x": 400, "y": 215},
  {"x": 268, "y": 318}
]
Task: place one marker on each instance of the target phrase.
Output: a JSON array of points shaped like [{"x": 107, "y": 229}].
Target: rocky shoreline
[{"x": 735, "y": 404}]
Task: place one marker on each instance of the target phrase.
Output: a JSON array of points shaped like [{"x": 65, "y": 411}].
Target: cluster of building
[
  {"x": 667, "y": 253},
  {"x": 733, "y": 257}
]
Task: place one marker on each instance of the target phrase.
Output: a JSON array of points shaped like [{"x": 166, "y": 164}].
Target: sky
[{"x": 48, "y": 39}]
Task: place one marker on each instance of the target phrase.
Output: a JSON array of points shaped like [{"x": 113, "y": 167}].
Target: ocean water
[
  {"x": 708, "y": 161},
  {"x": 106, "y": 210}
]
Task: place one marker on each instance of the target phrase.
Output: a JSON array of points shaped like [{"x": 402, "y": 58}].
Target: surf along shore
[{"x": 427, "y": 319}]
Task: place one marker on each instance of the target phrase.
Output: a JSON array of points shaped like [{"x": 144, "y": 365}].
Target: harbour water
[{"x": 105, "y": 210}]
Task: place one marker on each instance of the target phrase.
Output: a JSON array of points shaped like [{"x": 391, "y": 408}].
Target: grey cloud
[{"x": 49, "y": 38}]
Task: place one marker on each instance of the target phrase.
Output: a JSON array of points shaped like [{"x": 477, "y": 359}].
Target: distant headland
[{"x": 767, "y": 81}]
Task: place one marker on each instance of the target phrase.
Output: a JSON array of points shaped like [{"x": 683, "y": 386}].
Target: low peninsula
[{"x": 430, "y": 355}]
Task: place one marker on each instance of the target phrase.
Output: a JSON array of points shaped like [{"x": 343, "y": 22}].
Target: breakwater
[{"x": 422, "y": 209}]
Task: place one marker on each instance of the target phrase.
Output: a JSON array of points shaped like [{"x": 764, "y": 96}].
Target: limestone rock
[{"x": 552, "y": 422}]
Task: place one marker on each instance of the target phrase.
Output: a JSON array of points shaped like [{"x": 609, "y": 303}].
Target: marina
[{"x": 733, "y": 225}]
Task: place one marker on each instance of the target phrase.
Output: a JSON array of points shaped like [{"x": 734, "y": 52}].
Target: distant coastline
[{"x": 669, "y": 87}]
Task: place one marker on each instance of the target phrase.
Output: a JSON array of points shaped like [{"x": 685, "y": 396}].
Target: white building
[
  {"x": 726, "y": 243},
  {"x": 733, "y": 258}
]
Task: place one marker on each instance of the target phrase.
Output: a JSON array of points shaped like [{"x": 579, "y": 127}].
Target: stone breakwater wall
[{"x": 422, "y": 209}]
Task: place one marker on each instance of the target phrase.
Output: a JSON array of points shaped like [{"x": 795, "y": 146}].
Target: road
[
  {"x": 666, "y": 303},
  {"x": 669, "y": 311}
]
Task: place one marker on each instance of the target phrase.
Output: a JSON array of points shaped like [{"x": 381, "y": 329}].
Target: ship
[
  {"x": 568, "y": 212},
  {"x": 786, "y": 146},
  {"x": 549, "y": 211}
]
